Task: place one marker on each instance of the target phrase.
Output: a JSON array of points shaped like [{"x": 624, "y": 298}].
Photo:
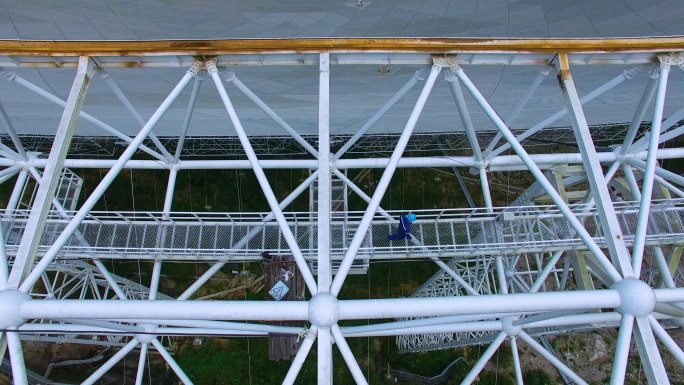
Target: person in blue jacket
[{"x": 404, "y": 228}]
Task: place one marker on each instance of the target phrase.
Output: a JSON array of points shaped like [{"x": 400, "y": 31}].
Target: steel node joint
[
  {"x": 636, "y": 297},
  {"x": 439, "y": 62},
  {"x": 10, "y": 303},
  {"x": 204, "y": 64}
]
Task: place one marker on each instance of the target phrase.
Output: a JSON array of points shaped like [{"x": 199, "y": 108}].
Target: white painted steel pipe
[
  {"x": 348, "y": 309},
  {"x": 104, "y": 184},
  {"x": 668, "y": 175},
  {"x": 129, "y": 106},
  {"x": 247, "y": 237},
  {"x": 552, "y": 358},
  {"x": 323, "y": 187},
  {"x": 186, "y": 120},
  {"x": 33, "y": 328},
  {"x": 516, "y": 362},
  {"x": 673, "y": 119},
  {"x": 141, "y": 364},
  {"x": 286, "y": 232},
  {"x": 170, "y": 188},
  {"x": 499, "y": 163},
  {"x": 521, "y": 104},
  {"x": 172, "y": 363},
  {"x": 17, "y": 191},
  {"x": 639, "y": 115},
  {"x": 232, "y": 326},
  {"x": 539, "y": 281},
  {"x": 419, "y": 75},
  {"x": 86, "y": 116},
  {"x": 362, "y": 330},
  {"x": 272, "y": 114},
  {"x": 540, "y": 177},
  {"x": 21, "y": 152},
  {"x": 102, "y": 325},
  {"x": 609, "y": 319},
  {"x": 617, "y": 376},
  {"x": 627, "y": 74},
  {"x": 484, "y": 358},
  {"x": 663, "y": 268},
  {"x": 10, "y": 171},
  {"x": 301, "y": 355},
  {"x": 499, "y": 303},
  {"x": 457, "y": 94},
  {"x": 163, "y": 309},
  {"x": 672, "y": 188},
  {"x": 665, "y": 338},
  {"x": 649, "y": 172},
  {"x": 465, "y": 327},
  {"x": 631, "y": 181},
  {"x": 16, "y": 358},
  {"x": 8, "y": 176},
  {"x": 383, "y": 183},
  {"x": 110, "y": 362},
  {"x": 671, "y": 134},
  {"x": 669, "y": 295},
  {"x": 324, "y": 357},
  {"x": 435, "y": 258},
  {"x": 348, "y": 356},
  {"x": 154, "y": 281}
]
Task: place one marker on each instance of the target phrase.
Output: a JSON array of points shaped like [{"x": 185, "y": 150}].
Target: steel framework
[{"x": 508, "y": 268}]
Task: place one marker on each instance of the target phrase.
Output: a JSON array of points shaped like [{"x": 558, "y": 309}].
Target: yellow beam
[{"x": 258, "y": 46}]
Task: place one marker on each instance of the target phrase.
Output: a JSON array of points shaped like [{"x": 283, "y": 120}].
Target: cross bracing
[{"x": 611, "y": 236}]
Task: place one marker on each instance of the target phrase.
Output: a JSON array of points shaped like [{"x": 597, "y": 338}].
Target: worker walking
[{"x": 404, "y": 228}]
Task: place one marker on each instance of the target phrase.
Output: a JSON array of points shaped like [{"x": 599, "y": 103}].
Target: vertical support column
[
  {"x": 35, "y": 224},
  {"x": 325, "y": 357},
  {"x": 324, "y": 175},
  {"x": 599, "y": 187},
  {"x": 325, "y": 351}
]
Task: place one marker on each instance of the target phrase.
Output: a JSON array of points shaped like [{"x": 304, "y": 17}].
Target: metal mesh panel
[{"x": 456, "y": 233}]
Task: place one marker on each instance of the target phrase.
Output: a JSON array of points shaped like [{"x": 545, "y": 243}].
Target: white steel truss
[{"x": 508, "y": 270}]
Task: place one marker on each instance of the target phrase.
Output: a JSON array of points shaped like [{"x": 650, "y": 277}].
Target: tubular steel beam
[
  {"x": 599, "y": 186},
  {"x": 104, "y": 184},
  {"x": 35, "y": 225}
]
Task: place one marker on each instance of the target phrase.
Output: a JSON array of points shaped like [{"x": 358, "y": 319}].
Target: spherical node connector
[
  {"x": 323, "y": 310},
  {"x": 10, "y": 303},
  {"x": 636, "y": 297},
  {"x": 508, "y": 327},
  {"x": 229, "y": 76},
  {"x": 148, "y": 336}
]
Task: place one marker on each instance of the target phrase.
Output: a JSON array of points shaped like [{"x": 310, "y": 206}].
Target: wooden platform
[{"x": 281, "y": 271}]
